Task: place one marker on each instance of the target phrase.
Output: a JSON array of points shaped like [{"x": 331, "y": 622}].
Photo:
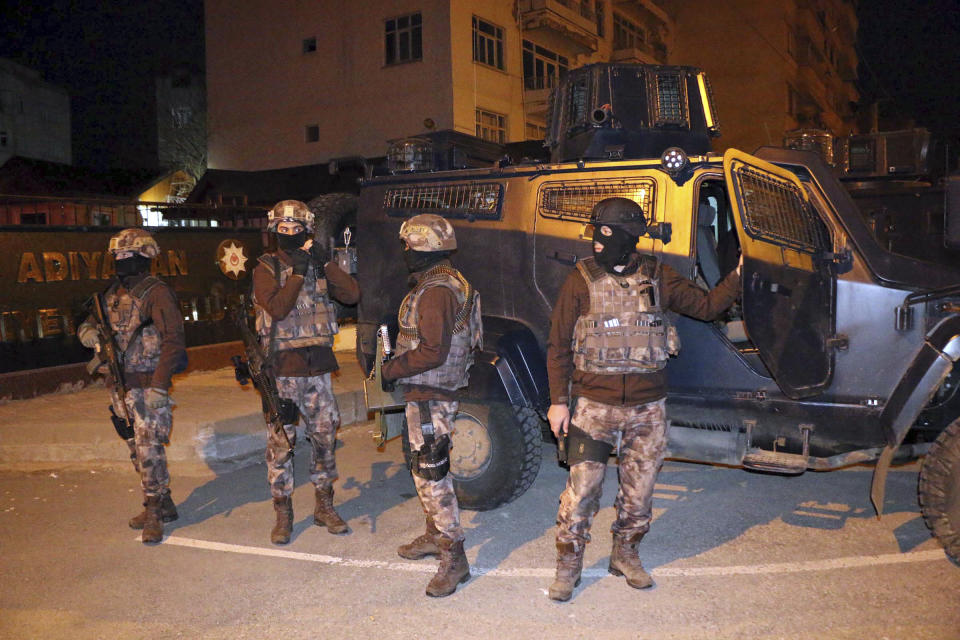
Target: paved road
[{"x": 734, "y": 554}]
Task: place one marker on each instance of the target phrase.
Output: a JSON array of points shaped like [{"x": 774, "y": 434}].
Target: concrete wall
[
  {"x": 748, "y": 55},
  {"x": 263, "y": 90},
  {"x": 34, "y": 116},
  {"x": 481, "y": 86}
]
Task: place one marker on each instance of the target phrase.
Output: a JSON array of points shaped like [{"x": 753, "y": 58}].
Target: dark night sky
[
  {"x": 106, "y": 54},
  {"x": 107, "y": 59},
  {"x": 910, "y": 62}
]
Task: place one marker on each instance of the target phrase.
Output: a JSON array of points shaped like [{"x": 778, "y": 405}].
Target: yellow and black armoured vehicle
[{"x": 840, "y": 352}]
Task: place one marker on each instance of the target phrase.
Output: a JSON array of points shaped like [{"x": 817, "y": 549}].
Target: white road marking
[{"x": 850, "y": 562}]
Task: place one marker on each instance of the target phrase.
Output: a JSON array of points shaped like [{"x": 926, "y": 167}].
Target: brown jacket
[
  {"x": 279, "y": 301},
  {"x": 676, "y": 294},
  {"x": 436, "y": 317}
]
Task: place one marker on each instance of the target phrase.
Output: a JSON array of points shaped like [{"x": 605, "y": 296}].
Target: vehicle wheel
[
  {"x": 334, "y": 212},
  {"x": 495, "y": 455},
  {"x": 939, "y": 490}
]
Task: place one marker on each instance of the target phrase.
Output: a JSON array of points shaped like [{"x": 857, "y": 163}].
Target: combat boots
[
  {"x": 281, "y": 531},
  {"x": 423, "y": 546},
  {"x": 624, "y": 561},
  {"x": 168, "y": 512},
  {"x": 569, "y": 567},
  {"x": 453, "y": 569},
  {"x": 152, "y": 523},
  {"x": 324, "y": 515}
]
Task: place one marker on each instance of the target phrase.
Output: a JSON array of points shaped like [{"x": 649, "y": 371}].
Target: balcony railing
[
  {"x": 575, "y": 20},
  {"x": 535, "y": 83}
]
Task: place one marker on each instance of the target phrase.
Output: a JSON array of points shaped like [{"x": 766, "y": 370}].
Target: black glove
[
  {"x": 318, "y": 252},
  {"x": 300, "y": 260},
  {"x": 386, "y": 385}
]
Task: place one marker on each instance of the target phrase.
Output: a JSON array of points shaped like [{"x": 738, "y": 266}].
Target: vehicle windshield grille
[
  {"x": 574, "y": 200},
  {"x": 475, "y": 200},
  {"x": 774, "y": 210}
]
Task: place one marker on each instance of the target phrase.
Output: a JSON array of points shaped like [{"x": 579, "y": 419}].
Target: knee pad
[
  {"x": 581, "y": 447},
  {"x": 432, "y": 461}
]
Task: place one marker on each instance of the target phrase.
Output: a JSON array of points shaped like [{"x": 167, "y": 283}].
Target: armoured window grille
[
  {"x": 574, "y": 200},
  {"x": 670, "y": 99},
  {"x": 774, "y": 210},
  {"x": 578, "y": 101},
  {"x": 477, "y": 200}
]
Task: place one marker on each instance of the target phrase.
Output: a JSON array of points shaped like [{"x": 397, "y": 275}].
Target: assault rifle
[
  {"x": 278, "y": 411},
  {"x": 381, "y": 397},
  {"x": 107, "y": 353}
]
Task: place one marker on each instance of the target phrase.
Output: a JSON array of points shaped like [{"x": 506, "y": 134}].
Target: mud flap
[{"x": 878, "y": 489}]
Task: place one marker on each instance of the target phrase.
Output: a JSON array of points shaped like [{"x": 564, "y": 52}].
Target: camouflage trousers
[
  {"x": 642, "y": 434},
  {"x": 321, "y": 417},
  {"x": 436, "y": 496},
  {"x": 151, "y": 431}
]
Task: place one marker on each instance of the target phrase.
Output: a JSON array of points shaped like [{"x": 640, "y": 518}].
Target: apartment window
[
  {"x": 491, "y": 126},
  {"x": 310, "y": 45},
  {"x": 600, "y": 16},
  {"x": 404, "y": 39},
  {"x": 487, "y": 43},
  {"x": 535, "y": 131},
  {"x": 311, "y": 133},
  {"x": 793, "y": 101},
  {"x": 542, "y": 68},
  {"x": 627, "y": 34}
]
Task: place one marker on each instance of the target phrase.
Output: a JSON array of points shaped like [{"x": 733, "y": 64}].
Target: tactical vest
[
  {"x": 467, "y": 330},
  {"x": 137, "y": 339},
  {"x": 625, "y": 331},
  {"x": 311, "y": 322}
]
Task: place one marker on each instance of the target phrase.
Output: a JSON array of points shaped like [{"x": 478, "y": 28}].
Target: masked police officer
[
  {"x": 609, "y": 342},
  {"x": 145, "y": 317},
  {"x": 296, "y": 322},
  {"x": 439, "y": 330}
]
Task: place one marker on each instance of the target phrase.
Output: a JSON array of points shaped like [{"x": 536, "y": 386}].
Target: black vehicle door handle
[{"x": 563, "y": 257}]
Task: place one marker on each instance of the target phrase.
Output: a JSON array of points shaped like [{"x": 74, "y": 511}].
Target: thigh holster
[
  {"x": 432, "y": 460},
  {"x": 581, "y": 447}
]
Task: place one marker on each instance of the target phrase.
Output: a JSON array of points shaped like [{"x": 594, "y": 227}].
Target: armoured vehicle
[{"x": 841, "y": 352}]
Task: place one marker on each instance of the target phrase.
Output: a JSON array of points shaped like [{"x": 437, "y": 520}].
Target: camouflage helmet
[
  {"x": 620, "y": 212},
  {"x": 428, "y": 232},
  {"x": 137, "y": 240},
  {"x": 290, "y": 211}
]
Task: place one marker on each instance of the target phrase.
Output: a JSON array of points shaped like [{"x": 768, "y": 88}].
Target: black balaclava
[
  {"x": 422, "y": 260},
  {"x": 134, "y": 266},
  {"x": 617, "y": 248},
  {"x": 291, "y": 242}
]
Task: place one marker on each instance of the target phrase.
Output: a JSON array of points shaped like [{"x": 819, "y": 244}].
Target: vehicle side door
[{"x": 789, "y": 292}]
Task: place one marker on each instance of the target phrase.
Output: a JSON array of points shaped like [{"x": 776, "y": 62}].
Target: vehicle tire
[
  {"x": 495, "y": 455},
  {"x": 939, "y": 490},
  {"x": 333, "y": 212}
]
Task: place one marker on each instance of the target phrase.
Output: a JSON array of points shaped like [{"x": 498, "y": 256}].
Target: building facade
[
  {"x": 34, "y": 116},
  {"x": 775, "y": 65},
  {"x": 308, "y": 83}
]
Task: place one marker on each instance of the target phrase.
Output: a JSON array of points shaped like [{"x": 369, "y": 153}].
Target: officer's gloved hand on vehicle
[{"x": 156, "y": 398}]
